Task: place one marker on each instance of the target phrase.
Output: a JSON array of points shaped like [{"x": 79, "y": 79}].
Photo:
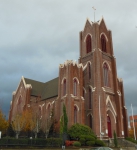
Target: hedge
[
  {"x": 90, "y": 143},
  {"x": 34, "y": 142}
]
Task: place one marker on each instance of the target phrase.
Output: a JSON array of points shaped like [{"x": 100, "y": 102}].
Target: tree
[
  {"x": 27, "y": 115},
  {"x": 18, "y": 124},
  {"x": 61, "y": 125},
  {"x": 48, "y": 126},
  {"x": 3, "y": 123},
  {"x": 131, "y": 132},
  {"x": 65, "y": 118},
  {"x": 64, "y": 121},
  {"x": 37, "y": 124},
  {"x": 77, "y": 130}
]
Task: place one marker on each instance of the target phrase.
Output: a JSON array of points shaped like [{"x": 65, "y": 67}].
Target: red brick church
[{"x": 90, "y": 89}]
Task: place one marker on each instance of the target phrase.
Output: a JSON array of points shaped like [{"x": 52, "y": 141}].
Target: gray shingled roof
[{"x": 45, "y": 90}]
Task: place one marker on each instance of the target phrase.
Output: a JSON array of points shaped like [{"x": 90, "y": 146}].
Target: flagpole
[
  {"x": 133, "y": 123},
  {"x": 99, "y": 117}
]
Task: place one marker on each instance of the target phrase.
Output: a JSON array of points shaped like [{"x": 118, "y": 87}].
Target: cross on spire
[{"x": 94, "y": 13}]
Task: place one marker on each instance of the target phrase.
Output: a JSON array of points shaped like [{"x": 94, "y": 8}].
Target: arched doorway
[{"x": 109, "y": 127}]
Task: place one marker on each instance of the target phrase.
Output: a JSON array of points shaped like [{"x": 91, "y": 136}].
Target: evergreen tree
[
  {"x": 61, "y": 125},
  {"x": 115, "y": 139},
  {"x": 64, "y": 121},
  {"x": 65, "y": 126}
]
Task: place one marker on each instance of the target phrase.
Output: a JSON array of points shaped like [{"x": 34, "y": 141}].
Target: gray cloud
[{"x": 36, "y": 36}]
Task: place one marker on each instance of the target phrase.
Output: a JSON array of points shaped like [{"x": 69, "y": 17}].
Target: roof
[
  {"x": 50, "y": 89},
  {"x": 45, "y": 90}
]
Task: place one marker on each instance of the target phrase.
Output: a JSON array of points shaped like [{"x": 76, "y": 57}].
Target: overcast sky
[{"x": 38, "y": 35}]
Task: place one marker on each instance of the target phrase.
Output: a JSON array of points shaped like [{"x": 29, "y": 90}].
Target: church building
[{"x": 90, "y": 88}]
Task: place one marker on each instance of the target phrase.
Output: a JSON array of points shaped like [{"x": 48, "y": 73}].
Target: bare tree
[
  {"x": 18, "y": 124},
  {"x": 36, "y": 124}
]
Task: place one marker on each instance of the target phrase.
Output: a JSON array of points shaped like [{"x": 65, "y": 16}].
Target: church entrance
[{"x": 109, "y": 127}]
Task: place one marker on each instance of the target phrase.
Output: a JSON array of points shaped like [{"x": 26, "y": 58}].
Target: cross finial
[{"x": 94, "y": 13}]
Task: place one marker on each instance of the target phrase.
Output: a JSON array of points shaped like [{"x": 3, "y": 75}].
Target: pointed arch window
[
  {"x": 89, "y": 70},
  {"x": 103, "y": 43},
  {"x": 64, "y": 87},
  {"x": 88, "y": 44},
  {"x": 89, "y": 98},
  {"x": 19, "y": 104},
  {"x": 83, "y": 94},
  {"x": 48, "y": 111},
  {"x": 105, "y": 74},
  {"x": 75, "y": 87},
  {"x": 40, "y": 112},
  {"x": 90, "y": 121},
  {"x": 75, "y": 114},
  {"x": 48, "y": 115}
]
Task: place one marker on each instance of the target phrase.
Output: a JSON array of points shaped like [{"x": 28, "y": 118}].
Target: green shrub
[
  {"x": 82, "y": 141},
  {"x": 131, "y": 139},
  {"x": 13, "y": 141},
  {"x": 57, "y": 142},
  {"x": 100, "y": 143},
  {"x": 90, "y": 143},
  {"x": 38, "y": 141},
  {"x": 23, "y": 141},
  {"x": 53, "y": 141},
  {"x": 8, "y": 137},
  {"x": 77, "y": 130},
  {"x": 78, "y": 144},
  {"x": 85, "y": 138},
  {"x": 3, "y": 141},
  {"x": 89, "y": 138}
]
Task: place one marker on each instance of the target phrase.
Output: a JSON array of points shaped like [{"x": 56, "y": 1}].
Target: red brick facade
[{"x": 90, "y": 89}]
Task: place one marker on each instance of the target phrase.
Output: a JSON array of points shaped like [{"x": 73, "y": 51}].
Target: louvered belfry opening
[{"x": 88, "y": 44}]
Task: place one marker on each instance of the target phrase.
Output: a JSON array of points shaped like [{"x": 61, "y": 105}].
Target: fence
[{"x": 53, "y": 140}]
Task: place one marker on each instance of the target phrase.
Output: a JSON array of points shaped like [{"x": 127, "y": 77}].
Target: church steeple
[
  {"x": 100, "y": 74},
  {"x": 95, "y": 36}
]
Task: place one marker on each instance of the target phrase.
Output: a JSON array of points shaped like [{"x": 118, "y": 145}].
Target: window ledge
[
  {"x": 75, "y": 97},
  {"x": 63, "y": 97},
  {"x": 108, "y": 90}
]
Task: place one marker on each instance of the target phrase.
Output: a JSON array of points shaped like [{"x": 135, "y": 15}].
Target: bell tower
[{"x": 104, "y": 107}]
